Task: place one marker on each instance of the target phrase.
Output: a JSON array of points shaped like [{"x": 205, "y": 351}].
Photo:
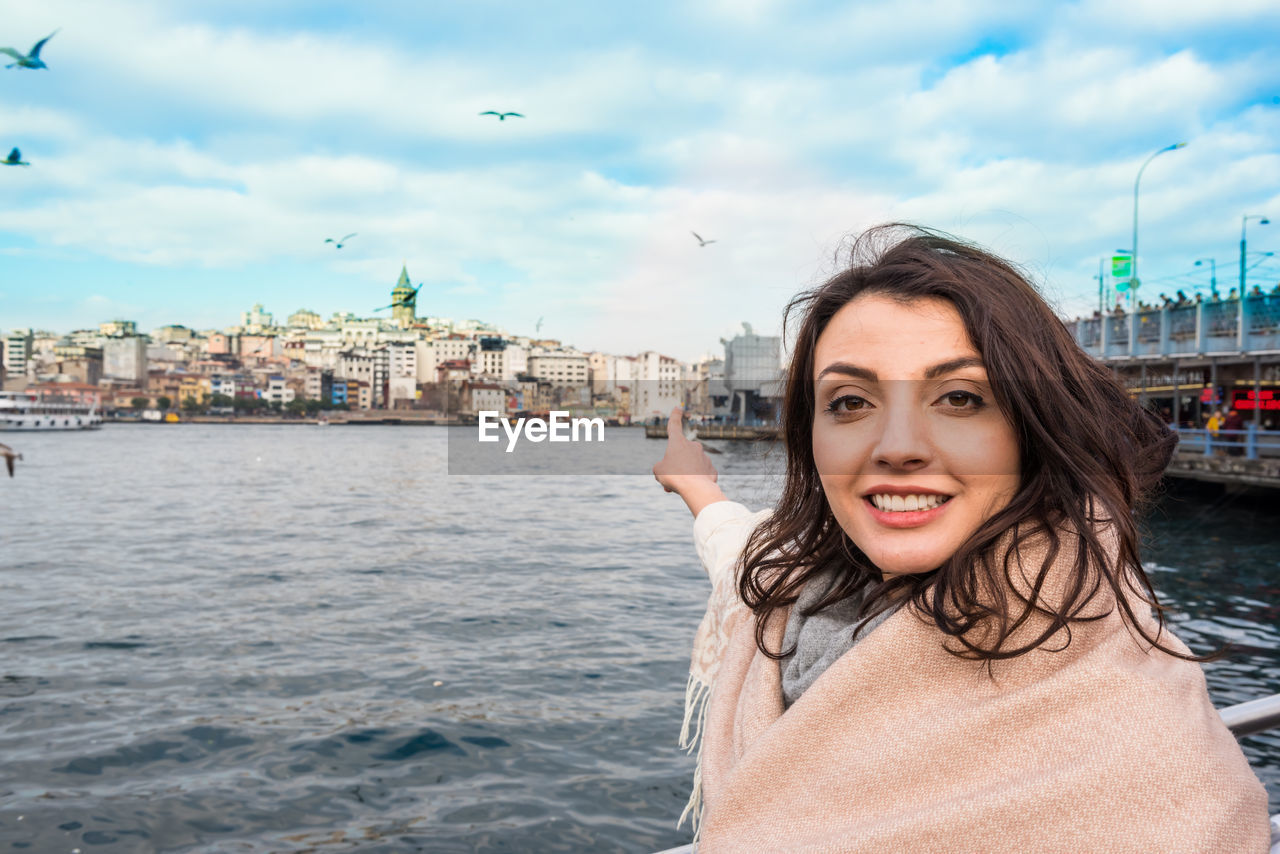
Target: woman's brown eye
[
  {"x": 847, "y": 403},
  {"x": 963, "y": 400}
]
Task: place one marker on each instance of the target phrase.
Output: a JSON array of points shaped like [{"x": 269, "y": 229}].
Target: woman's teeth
[{"x": 900, "y": 503}]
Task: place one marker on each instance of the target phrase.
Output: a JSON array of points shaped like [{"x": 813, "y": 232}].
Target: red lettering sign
[{"x": 1266, "y": 399}]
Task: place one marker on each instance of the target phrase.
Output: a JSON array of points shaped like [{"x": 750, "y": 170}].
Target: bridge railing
[
  {"x": 1250, "y": 443},
  {"x": 1211, "y": 326}
]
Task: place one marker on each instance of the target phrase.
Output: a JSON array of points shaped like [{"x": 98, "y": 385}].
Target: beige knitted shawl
[{"x": 900, "y": 746}]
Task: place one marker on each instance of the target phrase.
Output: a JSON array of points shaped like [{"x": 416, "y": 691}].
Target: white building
[
  {"x": 402, "y": 382},
  {"x": 562, "y": 368},
  {"x": 83, "y": 338},
  {"x": 381, "y": 376},
  {"x": 355, "y": 365},
  {"x": 322, "y": 348},
  {"x": 656, "y": 386},
  {"x": 278, "y": 390},
  {"x": 482, "y": 396},
  {"x": 118, "y": 328},
  {"x": 454, "y": 348},
  {"x": 255, "y": 319},
  {"x": 401, "y": 389},
  {"x": 425, "y": 359},
  {"x": 752, "y": 373},
  {"x": 359, "y": 333},
  {"x": 171, "y": 333},
  {"x": 234, "y": 386},
  {"x": 609, "y": 371},
  {"x": 403, "y": 358},
  {"x": 18, "y": 348},
  {"x": 499, "y": 359},
  {"x": 305, "y": 318},
  {"x": 125, "y": 358}
]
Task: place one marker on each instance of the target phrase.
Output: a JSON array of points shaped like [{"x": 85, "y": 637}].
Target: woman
[{"x": 942, "y": 638}]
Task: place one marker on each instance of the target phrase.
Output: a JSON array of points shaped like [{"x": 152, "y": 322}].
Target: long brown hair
[{"x": 1090, "y": 457}]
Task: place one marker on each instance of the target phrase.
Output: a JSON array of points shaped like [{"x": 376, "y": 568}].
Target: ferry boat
[{"x": 47, "y": 410}]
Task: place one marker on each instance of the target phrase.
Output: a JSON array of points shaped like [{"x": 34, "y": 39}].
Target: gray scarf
[{"x": 822, "y": 638}]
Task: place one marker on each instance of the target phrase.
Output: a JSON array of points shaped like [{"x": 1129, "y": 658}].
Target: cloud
[{"x": 200, "y": 141}]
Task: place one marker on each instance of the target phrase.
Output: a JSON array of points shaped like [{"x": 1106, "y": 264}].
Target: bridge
[
  {"x": 1185, "y": 361},
  {"x": 1197, "y": 329}
]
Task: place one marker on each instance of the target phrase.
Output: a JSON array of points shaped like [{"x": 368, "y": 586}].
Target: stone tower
[{"x": 403, "y": 300}]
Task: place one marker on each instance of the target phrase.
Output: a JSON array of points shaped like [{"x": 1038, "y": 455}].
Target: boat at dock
[
  {"x": 45, "y": 410},
  {"x": 718, "y": 431}
]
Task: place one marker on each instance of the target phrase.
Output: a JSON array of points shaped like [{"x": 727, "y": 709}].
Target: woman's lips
[{"x": 904, "y": 518}]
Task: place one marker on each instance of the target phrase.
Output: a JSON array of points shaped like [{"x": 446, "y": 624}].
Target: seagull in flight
[
  {"x": 338, "y": 244},
  {"x": 502, "y": 117},
  {"x": 701, "y": 242},
  {"x": 15, "y": 159},
  {"x": 9, "y": 457},
  {"x": 537, "y": 327},
  {"x": 404, "y": 301},
  {"x": 31, "y": 60}
]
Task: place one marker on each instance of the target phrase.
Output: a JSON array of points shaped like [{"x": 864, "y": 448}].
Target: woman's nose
[{"x": 903, "y": 443}]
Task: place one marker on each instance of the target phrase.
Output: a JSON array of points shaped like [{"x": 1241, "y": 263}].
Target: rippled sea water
[{"x": 289, "y": 638}]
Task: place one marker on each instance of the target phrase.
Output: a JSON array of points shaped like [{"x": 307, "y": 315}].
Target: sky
[{"x": 189, "y": 159}]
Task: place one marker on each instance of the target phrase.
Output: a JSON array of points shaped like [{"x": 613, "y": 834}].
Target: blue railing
[
  {"x": 1215, "y": 326},
  {"x": 1250, "y": 443}
]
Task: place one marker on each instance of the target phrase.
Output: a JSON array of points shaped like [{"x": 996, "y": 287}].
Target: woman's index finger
[{"x": 675, "y": 424}]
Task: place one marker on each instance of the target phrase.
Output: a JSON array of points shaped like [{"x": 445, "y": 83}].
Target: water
[{"x": 281, "y": 638}]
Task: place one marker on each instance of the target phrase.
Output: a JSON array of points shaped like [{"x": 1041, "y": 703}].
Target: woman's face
[{"x": 912, "y": 451}]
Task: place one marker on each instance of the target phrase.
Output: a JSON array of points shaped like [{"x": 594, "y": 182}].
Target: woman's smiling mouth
[
  {"x": 899, "y": 503},
  {"x": 910, "y": 510}
]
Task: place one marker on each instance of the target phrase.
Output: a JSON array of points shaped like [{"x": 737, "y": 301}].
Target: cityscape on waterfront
[
  {"x": 1186, "y": 357},
  {"x": 403, "y": 362}
]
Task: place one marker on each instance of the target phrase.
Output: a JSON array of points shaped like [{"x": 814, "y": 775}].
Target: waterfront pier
[
  {"x": 1195, "y": 358},
  {"x": 1187, "y": 361}
]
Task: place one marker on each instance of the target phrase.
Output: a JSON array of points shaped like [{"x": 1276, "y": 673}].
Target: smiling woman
[
  {"x": 942, "y": 637},
  {"x": 910, "y": 448}
]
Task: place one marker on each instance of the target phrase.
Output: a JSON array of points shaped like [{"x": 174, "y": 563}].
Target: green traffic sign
[{"x": 1121, "y": 267}]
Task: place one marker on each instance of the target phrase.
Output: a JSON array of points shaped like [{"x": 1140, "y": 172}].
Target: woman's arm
[{"x": 685, "y": 468}]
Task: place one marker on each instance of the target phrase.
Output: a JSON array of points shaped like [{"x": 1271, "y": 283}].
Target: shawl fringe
[{"x": 697, "y": 695}]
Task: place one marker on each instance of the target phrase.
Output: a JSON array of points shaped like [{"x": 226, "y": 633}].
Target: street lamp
[
  {"x": 1136, "y": 181},
  {"x": 1244, "y": 220},
  {"x": 1213, "y": 274}
]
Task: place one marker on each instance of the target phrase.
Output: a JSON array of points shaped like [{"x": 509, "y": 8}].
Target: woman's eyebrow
[
  {"x": 849, "y": 370},
  {"x": 952, "y": 365}
]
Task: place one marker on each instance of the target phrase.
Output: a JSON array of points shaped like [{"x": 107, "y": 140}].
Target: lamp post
[
  {"x": 1213, "y": 274},
  {"x": 1244, "y": 220},
  {"x": 1134, "y": 285},
  {"x": 1102, "y": 287}
]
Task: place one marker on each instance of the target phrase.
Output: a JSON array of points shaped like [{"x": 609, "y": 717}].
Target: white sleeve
[{"x": 720, "y": 534}]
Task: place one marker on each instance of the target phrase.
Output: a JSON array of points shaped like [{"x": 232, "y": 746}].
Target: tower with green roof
[{"x": 403, "y": 300}]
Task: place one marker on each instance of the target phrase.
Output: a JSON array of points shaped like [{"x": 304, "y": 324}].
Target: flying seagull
[
  {"x": 9, "y": 457},
  {"x": 403, "y": 301},
  {"x": 537, "y": 328},
  {"x": 502, "y": 117},
  {"x": 31, "y": 60},
  {"x": 15, "y": 159},
  {"x": 701, "y": 242},
  {"x": 338, "y": 244}
]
